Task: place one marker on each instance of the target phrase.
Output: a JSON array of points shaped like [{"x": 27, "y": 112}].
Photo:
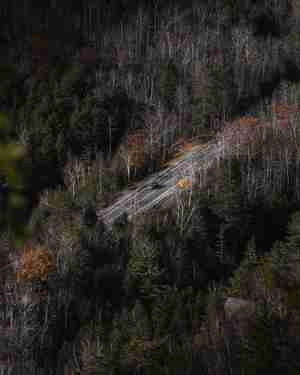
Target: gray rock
[{"x": 238, "y": 308}]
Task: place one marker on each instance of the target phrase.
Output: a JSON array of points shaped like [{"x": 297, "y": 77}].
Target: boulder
[{"x": 238, "y": 308}]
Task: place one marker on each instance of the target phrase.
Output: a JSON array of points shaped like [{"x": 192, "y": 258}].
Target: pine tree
[
  {"x": 208, "y": 87},
  {"x": 258, "y": 349},
  {"x": 168, "y": 84},
  {"x": 12, "y": 187},
  {"x": 229, "y": 207},
  {"x": 293, "y": 237}
]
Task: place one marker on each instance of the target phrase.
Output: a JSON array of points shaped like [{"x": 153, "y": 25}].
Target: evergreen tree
[
  {"x": 14, "y": 203},
  {"x": 232, "y": 212},
  {"x": 208, "y": 94},
  {"x": 168, "y": 84}
]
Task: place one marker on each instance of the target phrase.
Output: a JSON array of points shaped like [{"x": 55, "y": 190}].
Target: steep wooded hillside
[{"x": 160, "y": 141}]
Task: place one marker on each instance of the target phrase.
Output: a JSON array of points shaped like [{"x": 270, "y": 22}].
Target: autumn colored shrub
[
  {"x": 184, "y": 183},
  {"x": 35, "y": 264}
]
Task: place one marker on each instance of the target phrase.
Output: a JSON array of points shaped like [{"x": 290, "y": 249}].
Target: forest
[{"x": 195, "y": 103}]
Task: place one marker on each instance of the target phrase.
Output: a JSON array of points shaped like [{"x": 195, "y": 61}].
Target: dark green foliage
[
  {"x": 14, "y": 203},
  {"x": 89, "y": 215},
  {"x": 62, "y": 117},
  {"x": 270, "y": 18},
  {"x": 232, "y": 213},
  {"x": 144, "y": 273},
  {"x": 294, "y": 232},
  {"x": 292, "y": 46},
  {"x": 85, "y": 130},
  {"x": 239, "y": 280},
  {"x": 169, "y": 77},
  {"x": 266, "y": 18},
  {"x": 8, "y": 79},
  {"x": 209, "y": 95},
  {"x": 270, "y": 342},
  {"x": 257, "y": 355},
  {"x": 46, "y": 118},
  {"x": 233, "y": 9},
  {"x": 118, "y": 112},
  {"x": 269, "y": 346}
]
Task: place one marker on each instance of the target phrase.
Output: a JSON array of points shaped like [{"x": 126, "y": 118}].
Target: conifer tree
[
  {"x": 208, "y": 87},
  {"x": 12, "y": 187},
  {"x": 168, "y": 84}
]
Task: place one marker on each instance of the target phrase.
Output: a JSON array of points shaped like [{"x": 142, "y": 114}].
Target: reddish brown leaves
[{"x": 35, "y": 264}]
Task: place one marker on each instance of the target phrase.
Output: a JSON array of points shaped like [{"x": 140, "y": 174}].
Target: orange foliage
[
  {"x": 35, "y": 264},
  {"x": 187, "y": 146},
  {"x": 184, "y": 183},
  {"x": 248, "y": 121}
]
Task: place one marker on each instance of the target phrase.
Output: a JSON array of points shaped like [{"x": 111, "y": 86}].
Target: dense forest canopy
[{"x": 99, "y": 100}]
